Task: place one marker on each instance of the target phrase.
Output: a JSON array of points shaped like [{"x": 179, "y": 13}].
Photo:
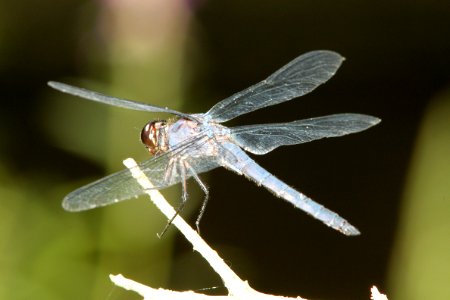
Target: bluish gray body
[
  {"x": 197, "y": 143},
  {"x": 222, "y": 149}
]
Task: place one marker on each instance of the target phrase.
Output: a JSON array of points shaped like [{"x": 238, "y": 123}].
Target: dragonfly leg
[
  {"x": 170, "y": 170},
  {"x": 205, "y": 199},
  {"x": 184, "y": 197}
]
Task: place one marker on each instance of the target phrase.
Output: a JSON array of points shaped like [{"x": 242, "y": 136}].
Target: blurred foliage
[
  {"x": 37, "y": 241},
  {"x": 87, "y": 247},
  {"x": 420, "y": 266}
]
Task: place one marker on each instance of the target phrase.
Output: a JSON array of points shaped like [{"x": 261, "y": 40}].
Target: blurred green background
[{"x": 392, "y": 181}]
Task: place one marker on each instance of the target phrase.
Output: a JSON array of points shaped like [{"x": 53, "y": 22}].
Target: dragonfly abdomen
[{"x": 260, "y": 176}]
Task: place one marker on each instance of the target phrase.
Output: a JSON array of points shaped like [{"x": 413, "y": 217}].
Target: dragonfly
[{"x": 190, "y": 144}]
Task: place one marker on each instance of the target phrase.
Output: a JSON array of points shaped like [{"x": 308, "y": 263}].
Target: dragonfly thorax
[{"x": 154, "y": 137}]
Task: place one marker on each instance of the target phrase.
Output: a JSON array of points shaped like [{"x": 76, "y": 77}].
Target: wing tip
[
  {"x": 53, "y": 84},
  {"x": 59, "y": 86},
  {"x": 329, "y": 55},
  {"x": 371, "y": 120},
  {"x": 69, "y": 204}
]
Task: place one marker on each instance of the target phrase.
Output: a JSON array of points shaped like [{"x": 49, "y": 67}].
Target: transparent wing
[
  {"x": 119, "y": 102},
  {"x": 297, "y": 78},
  {"x": 263, "y": 138},
  {"x": 163, "y": 171}
]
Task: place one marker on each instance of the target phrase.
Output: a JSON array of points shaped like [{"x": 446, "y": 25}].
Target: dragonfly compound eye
[{"x": 152, "y": 136}]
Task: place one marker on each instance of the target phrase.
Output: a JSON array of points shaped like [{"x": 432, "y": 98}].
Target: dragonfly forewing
[{"x": 297, "y": 78}]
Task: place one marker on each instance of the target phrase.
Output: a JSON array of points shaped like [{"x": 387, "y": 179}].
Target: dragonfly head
[{"x": 154, "y": 136}]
